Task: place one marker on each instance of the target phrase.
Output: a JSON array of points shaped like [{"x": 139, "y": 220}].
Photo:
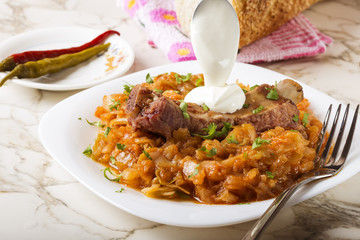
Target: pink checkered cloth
[{"x": 297, "y": 38}]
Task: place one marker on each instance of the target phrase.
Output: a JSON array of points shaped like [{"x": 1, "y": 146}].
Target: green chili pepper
[
  {"x": 34, "y": 69},
  {"x": 10, "y": 62},
  {"x": 7, "y": 64}
]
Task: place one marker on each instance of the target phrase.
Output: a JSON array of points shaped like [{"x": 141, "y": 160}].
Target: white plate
[
  {"x": 65, "y": 138},
  {"x": 120, "y": 57}
]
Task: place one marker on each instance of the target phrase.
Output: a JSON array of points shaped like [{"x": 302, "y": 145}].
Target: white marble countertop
[{"x": 40, "y": 200}]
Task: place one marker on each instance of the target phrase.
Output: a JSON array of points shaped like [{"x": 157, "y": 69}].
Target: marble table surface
[{"x": 40, "y": 200}]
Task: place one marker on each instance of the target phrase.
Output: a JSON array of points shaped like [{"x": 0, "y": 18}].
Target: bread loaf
[{"x": 257, "y": 18}]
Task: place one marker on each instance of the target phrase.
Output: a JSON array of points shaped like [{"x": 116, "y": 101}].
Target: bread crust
[{"x": 257, "y": 18}]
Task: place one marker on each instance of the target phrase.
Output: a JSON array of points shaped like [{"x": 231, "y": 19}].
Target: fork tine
[
  {"x": 330, "y": 138},
  {"x": 339, "y": 138},
  {"x": 348, "y": 142},
  {"x": 331, "y": 135},
  {"x": 322, "y": 135}
]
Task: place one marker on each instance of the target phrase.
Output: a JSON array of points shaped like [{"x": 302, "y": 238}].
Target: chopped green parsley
[
  {"x": 270, "y": 174},
  {"x": 182, "y": 78},
  {"x": 107, "y": 130},
  {"x": 273, "y": 94},
  {"x": 205, "y": 107},
  {"x": 258, "y": 142},
  {"x": 196, "y": 171},
  {"x": 112, "y": 159},
  {"x": 158, "y": 91},
  {"x": 115, "y": 105},
  {"x": 88, "y": 151},
  {"x": 120, "y": 191},
  {"x": 210, "y": 153},
  {"x": 246, "y": 105},
  {"x": 305, "y": 119},
  {"x": 296, "y": 118},
  {"x": 149, "y": 79},
  {"x": 212, "y": 133},
  {"x": 128, "y": 88},
  {"x": 198, "y": 82},
  {"x": 120, "y": 146},
  {"x": 232, "y": 139}
]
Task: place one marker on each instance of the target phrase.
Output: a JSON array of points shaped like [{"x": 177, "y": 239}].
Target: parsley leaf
[
  {"x": 296, "y": 118},
  {"x": 196, "y": 171},
  {"x": 182, "y": 78},
  {"x": 232, "y": 139},
  {"x": 149, "y": 79},
  {"x": 203, "y": 148},
  {"x": 212, "y": 152},
  {"x": 212, "y": 133},
  {"x": 115, "y": 105},
  {"x": 225, "y": 130},
  {"x": 273, "y": 94},
  {"x": 257, "y": 110},
  {"x": 270, "y": 174},
  {"x": 198, "y": 82},
  {"x": 177, "y": 78},
  {"x": 112, "y": 159},
  {"x": 88, "y": 151},
  {"x": 258, "y": 142},
  {"x": 244, "y": 90},
  {"x": 158, "y": 91},
  {"x": 205, "y": 107},
  {"x": 147, "y": 154},
  {"x": 107, "y": 130},
  {"x": 120, "y": 146},
  {"x": 246, "y": 105},
  {"x": 120, "y": 191},
  {"x": 305, "y": 119},
  {"x": 128, "y": 89},
  {"x": 186, "y": 78}
]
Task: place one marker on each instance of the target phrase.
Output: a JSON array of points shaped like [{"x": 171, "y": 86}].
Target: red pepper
[{"x": 19, "y": 58}]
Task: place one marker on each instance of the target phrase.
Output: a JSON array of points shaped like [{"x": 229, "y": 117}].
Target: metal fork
[{"x": 325, "y": 166}]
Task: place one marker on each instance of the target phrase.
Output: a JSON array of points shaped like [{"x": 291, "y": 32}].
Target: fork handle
[{"x": 264, "y": 221}]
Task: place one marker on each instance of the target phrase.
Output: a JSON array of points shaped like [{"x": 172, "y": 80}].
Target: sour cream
[{"x": 215, "y": 37}]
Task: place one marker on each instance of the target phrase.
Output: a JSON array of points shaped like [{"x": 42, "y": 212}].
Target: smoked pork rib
[{"x": 152, "y": 112}]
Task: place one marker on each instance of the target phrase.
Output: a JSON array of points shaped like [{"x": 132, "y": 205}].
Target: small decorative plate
[{"x": 113, "y": 63}]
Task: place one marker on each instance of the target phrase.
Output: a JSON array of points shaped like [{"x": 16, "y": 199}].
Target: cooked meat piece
[
  {"x": 291, "y": 90},
  {"x": 152, "y": 112},
  {"x": 155, "y": 113}
]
